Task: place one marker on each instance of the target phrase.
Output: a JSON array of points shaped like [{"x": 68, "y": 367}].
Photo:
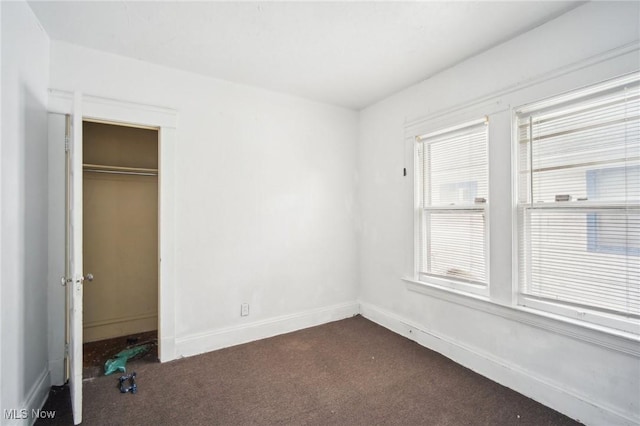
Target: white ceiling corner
[{"x": 350, "y": 54}]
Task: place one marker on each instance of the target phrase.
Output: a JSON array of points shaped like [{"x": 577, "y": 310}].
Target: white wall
[
  {"x": 25, "y": 79},
  {"x": 276, "y": 206},
  {"x": 265, "y": 197},
  {"x": 586, "y": 374}
]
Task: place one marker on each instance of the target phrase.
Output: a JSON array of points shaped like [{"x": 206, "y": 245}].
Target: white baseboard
[
  {"x": 34, "y": 400},
  {"x": 501, "y": 371},
  {"x": 56, "y": 372},
  {"x": 101, "y": 330},
  {"x": 230, "y": 336},
  {"x": 166, "y": 348},
  {"x": 38, "y": 393}
]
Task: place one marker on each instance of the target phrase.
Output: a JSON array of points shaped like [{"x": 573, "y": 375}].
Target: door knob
[{"x": 88, "y": 277}]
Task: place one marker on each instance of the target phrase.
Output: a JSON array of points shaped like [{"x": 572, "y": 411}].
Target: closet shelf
[{"x": 102, "y": 168}]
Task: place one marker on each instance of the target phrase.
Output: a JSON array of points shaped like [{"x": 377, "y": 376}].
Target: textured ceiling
[{"x": 344, "y": 53}]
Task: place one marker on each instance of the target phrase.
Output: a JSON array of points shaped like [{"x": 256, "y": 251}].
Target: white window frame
[
  {"x": 502, "y": 297},
  {"x": 597, "y": 317},
  {"x": 443, "y": 281}
]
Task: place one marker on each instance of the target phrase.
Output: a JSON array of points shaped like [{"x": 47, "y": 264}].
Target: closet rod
[{"x": 119, "y": 172}]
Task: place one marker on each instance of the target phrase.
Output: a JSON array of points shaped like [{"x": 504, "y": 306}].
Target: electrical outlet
[{"x": 244, "y": 309}]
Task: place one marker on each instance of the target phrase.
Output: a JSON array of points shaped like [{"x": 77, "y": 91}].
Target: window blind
[
  {"x": 578, "y": 198},
  {"x": 453, "y": 183}
]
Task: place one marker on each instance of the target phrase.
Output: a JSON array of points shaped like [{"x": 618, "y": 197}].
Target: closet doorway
[{"x": 120, "y": 238}]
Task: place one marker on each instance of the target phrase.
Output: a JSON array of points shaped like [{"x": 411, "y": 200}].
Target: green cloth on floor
[{"x": 119, "y": 362}]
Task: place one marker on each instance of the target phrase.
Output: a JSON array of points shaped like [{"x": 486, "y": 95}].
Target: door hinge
[
  {"x": 66, "y": 350},
  {"x": 66, "y": 143}
]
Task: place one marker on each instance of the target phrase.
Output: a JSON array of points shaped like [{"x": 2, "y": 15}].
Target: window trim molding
[
  {"x": 486, "y": 101},
  {"x": 504, "y": 295},
  {"x": 442, "y": 130},
  {"x": 467, "y": 117},
  {"x": 582, "y": 314},
  {"x": 614, "y": 339},
  {"x": 546, "y": 307}
]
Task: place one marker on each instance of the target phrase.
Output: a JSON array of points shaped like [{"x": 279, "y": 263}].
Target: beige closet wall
[{"x": 120, "y": 232}]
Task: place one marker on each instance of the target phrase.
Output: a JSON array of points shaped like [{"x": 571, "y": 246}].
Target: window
[
  {"x": 603, "y": 235},
  {"x": 578, "y": 202},
  {"x": 451, "y": 195}
]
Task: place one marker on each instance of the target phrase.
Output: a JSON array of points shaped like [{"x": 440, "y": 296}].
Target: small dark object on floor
[
  {"x": 131, "y": 378},
  {"x": 132, "y": 340}
]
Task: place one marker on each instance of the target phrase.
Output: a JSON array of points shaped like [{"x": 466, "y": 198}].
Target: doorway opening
[{"x": 120, "y": 241}]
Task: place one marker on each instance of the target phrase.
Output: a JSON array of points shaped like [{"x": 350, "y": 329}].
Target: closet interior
[{"x": 120, "y": 231}]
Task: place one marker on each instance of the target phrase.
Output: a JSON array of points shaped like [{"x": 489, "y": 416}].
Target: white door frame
[{"x": 165, "y": 120}]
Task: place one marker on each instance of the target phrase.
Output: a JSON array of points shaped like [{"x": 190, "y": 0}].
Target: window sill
[
  {"x": 603, "y": 336},
  {"x": 442, "y": 285},
  {"x": 463, "y": 288}
]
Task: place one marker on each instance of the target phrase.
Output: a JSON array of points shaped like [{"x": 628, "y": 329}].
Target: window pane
[
  {"x": 453, "y": 179},
  {"x": 585, "y": 257},
  {"x": 456, "y": 168},
  {"x": 457, "y": 245},
  {"x": 570, "y": 141}
]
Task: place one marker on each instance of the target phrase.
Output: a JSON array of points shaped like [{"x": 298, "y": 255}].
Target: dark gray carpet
[{"x": 349, "y": 372}]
